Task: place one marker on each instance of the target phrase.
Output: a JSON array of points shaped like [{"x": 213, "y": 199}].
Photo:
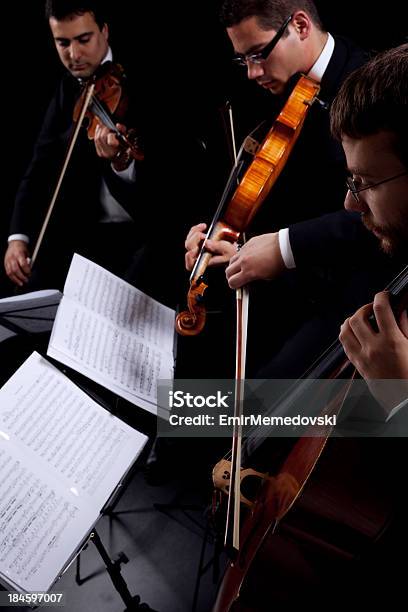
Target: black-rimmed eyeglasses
[
  {"x": 242, "y": 59},
  {"x": 353, "y": 188}
]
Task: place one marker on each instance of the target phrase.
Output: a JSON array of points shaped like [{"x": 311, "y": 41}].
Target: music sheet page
[
  {"x": 61, "y": 458},
  {"x": 113, "y": 333},
  {"x": 26, "y": 301},
  {"x": 32, "y": 312}
]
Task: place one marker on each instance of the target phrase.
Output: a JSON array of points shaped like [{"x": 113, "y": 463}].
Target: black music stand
[
  {"x": 31, "y": 320},
  {"x": 113, "y": 567}
]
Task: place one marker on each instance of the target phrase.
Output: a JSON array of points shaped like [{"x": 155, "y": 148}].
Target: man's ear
[
  {"x": 302, "y": 24},
  {"x": 105, "y": 31}
]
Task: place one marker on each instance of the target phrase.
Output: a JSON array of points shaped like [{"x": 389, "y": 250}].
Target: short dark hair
[
  {"x": 270, "y": 14},
  {"x": 374, "y": 98},
  {"x": 61, "y": 9}
]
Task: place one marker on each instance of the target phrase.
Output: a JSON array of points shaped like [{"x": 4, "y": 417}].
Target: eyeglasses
[
  {"x": 355, "y": 190},
  {"x": 242, "y": 59}
]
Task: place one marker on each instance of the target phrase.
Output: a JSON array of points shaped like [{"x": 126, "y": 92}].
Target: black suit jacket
[
  {"x": 78, "y": 206},
  {"x": 313, "y": 180},
  {"x": 332, "y": 278}
]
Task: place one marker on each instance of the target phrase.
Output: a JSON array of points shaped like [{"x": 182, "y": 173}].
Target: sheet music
[
  {"x": 44, "y": 297},
  {"x": 113, "y": 333},
  {"x": 61, "y": 457},
  {"x": 32, "y": 312},
  {"x": 124, "y": 306},
  {"x": 40, "y": 523}
]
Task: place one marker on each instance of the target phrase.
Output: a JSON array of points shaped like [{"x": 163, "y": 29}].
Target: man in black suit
[
  {"x": 370, "y": 118},
  {"x": 325, "y": 532},
  {"x": 312, "y": 182},
  {"x": 93, "y": 214},
  {"x": 275, "y": 40}
]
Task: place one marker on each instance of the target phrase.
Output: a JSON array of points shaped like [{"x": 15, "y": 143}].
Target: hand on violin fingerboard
[
  {"x": 259, "y": 259},
  {"x": 222, "y": 250},
  {"x": 107, "y": 144}
]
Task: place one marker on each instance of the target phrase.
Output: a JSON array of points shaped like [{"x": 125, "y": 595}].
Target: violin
[
  {"x": 108, "y": 105},
  {"x": 103, "y": 98},
  {"x": 233, "y": 217},
  {"x": 279, "y": 489}
]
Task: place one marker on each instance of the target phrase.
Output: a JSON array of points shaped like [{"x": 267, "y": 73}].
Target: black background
[{"x": 178, "y": 50}]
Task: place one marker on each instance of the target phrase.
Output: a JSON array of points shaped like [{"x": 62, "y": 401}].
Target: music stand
[
  {"x": 29, "y": 318},
  {"x": 29, "y": 315},
  {"x": 113, "y": 567}
]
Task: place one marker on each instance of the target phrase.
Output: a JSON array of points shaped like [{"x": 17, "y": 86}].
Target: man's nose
[
  {"x": 254, "y": 70},
  {"x": 351, "y": 204},
  {"x": 75, "y": 51}
]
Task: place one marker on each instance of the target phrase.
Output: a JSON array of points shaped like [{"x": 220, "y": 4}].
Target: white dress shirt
[{"x": 316, "y": 72}]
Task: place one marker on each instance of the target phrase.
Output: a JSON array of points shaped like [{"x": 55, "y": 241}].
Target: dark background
[{"x": 181, "y": 57}]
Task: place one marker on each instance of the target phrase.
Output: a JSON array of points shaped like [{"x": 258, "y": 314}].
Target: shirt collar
[
  {"x": 319, "y": 67},
  {"x": 108, "y": 57}
]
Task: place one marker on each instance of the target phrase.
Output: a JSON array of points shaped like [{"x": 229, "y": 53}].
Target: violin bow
[
  {"x": 71, "y": 145},
  {"x": 231, "y": 541}
]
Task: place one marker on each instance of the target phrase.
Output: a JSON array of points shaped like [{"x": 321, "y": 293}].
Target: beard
[{"x": 393, "y": 239}]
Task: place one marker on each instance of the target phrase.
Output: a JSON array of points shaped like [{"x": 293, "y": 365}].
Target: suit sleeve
[
  {"x": 331, "y": 239},
  {"x": 37, "y": 185}
]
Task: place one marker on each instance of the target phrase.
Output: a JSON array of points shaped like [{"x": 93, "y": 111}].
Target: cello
[
  {"x": 234, "y": 215},
  {"x": 360, "y": 511}
]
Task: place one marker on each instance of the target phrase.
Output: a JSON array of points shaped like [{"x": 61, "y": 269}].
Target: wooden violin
[
  {"x": 233, "y": 217},
  {"x": 108, "y": 105},
  {"x": 103, "y": 98}
]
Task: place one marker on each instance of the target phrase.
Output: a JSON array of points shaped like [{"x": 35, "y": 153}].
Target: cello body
[
  {"x": 328, "y": 536},
  {"x": 321, "y": 512}
]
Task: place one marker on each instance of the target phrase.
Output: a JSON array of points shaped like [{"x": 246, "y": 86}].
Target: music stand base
[{"x": 132, "y": 602}]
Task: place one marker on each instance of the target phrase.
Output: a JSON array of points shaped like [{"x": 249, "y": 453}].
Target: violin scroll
[{"x": 191, "y": 322}]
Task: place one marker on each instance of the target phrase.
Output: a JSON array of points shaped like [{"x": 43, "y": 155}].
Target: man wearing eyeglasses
[
  {"x": 357, "y": 482},
  {"x": 370, "y": 118},
  {"x": 275, "y": 41}
]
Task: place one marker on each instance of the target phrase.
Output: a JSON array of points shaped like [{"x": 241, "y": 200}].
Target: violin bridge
[{"x": 251, "y": 145}]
